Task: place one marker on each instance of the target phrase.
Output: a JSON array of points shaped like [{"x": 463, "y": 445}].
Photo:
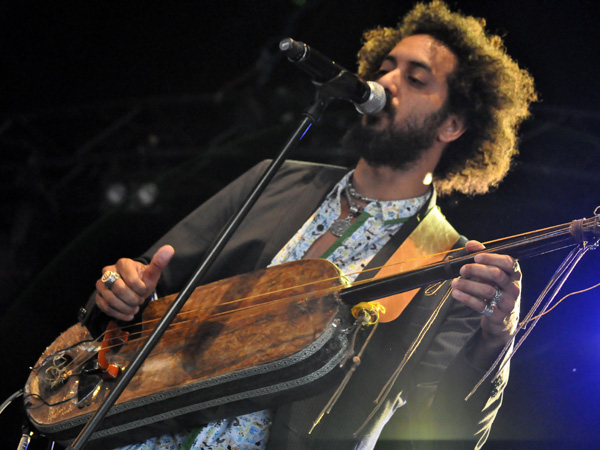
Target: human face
[{"x": 414, "y": 75}]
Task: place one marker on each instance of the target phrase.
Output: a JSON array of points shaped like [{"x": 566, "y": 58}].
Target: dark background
[{"x": 158, "y": 106}]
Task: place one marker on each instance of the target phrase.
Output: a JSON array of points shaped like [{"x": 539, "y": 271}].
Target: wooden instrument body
[
  {"x": 237, "y": 357},
  {"x": 223, "y": 357}
]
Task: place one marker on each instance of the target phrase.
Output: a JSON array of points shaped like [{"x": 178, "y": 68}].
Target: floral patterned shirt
[
  {"x": 375, "y": 226},
  {"x": 351, "y": 253}
]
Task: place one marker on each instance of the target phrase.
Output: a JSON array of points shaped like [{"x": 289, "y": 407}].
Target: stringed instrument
[{"x": 238, "y": 345}]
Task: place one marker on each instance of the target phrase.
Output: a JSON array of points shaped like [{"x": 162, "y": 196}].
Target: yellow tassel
[{"x": 368, "y": 312}]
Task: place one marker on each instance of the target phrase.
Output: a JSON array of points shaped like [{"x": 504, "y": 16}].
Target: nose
[{"x": 389, "y": 81}]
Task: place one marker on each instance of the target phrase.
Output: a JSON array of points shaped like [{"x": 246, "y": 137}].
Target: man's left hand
[{"x": 491, "y": 275}]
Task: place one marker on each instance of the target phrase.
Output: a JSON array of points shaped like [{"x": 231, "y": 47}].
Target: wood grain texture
[{"x": 227, "y": 329}]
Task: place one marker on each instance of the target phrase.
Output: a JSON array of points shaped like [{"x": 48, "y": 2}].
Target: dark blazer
[{"x": 433, "y": 384}]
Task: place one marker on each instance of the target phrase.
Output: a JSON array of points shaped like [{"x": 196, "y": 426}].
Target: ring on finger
[
  {"x": 495, "y": 299},
  {"x": 487, "y": 311},
  {"x": 109, "y": 278}
]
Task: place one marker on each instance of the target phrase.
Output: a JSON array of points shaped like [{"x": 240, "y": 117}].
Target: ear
[{"x": 452, "y": 128}]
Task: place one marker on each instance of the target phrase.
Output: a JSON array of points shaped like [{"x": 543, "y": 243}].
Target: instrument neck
[{"x": 519, "y": 247}]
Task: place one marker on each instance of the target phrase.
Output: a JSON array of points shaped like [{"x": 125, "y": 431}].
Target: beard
[{"x": 396, "y": 146}]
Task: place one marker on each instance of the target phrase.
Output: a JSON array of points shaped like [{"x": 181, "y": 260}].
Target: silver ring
[
  {"x": 109, "y": 278},
  {"x": 496, "y": 299},
  {"x": 487, "y": 311}
]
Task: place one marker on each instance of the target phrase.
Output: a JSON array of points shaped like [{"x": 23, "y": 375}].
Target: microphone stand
[{"x": 327, "y": 91}]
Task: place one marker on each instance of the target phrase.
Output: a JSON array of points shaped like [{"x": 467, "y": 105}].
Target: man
[{"x": 455, "y": 100}]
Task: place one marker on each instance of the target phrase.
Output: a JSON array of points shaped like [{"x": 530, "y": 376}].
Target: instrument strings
[
  {"x": 537, "y": 235},
  {"x": 194, "y": 316}
]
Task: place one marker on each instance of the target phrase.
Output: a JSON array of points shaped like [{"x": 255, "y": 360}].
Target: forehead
[{"x": 422, "y": 49}]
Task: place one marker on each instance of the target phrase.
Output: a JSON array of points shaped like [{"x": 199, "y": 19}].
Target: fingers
[
  {"x": 161, "y": 258},
  {"x": 474, "y": 246},
  {"x": 480, "y": 280},
  {"x": 472, "y": 293},
  {"x": 498, "y": 321},
  {"x": 508, "y": 266},
  {"x": 494, "y": 271},
  {"x": 476, "y": 296},
  {"x": 113, "y": 306},
  {"x": 490, "y": 286},
  {"x": 122, "y": 299}
]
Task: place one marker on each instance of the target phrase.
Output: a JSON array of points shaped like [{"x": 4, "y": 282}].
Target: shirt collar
[{"x": 390, "y": 212}]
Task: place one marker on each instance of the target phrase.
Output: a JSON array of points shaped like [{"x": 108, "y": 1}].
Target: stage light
[
  {"x": 115, "y": 193},
  {"x": 146, "y": 194}
]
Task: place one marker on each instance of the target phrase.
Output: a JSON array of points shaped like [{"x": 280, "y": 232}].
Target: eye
[
  {"x": 385, "y": 67},
  {"x": 380, "y": 73},
  {"x": 416, "y": 81}
]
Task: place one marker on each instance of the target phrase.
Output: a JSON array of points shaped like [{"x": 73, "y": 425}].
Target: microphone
[{"x": 368, "y": 97}]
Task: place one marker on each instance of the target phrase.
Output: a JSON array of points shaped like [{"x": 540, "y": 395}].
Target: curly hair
[{"x": 487, "y": 89}]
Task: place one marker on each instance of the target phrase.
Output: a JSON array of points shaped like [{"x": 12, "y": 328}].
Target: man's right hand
[{"x": 136, "y": 283}]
